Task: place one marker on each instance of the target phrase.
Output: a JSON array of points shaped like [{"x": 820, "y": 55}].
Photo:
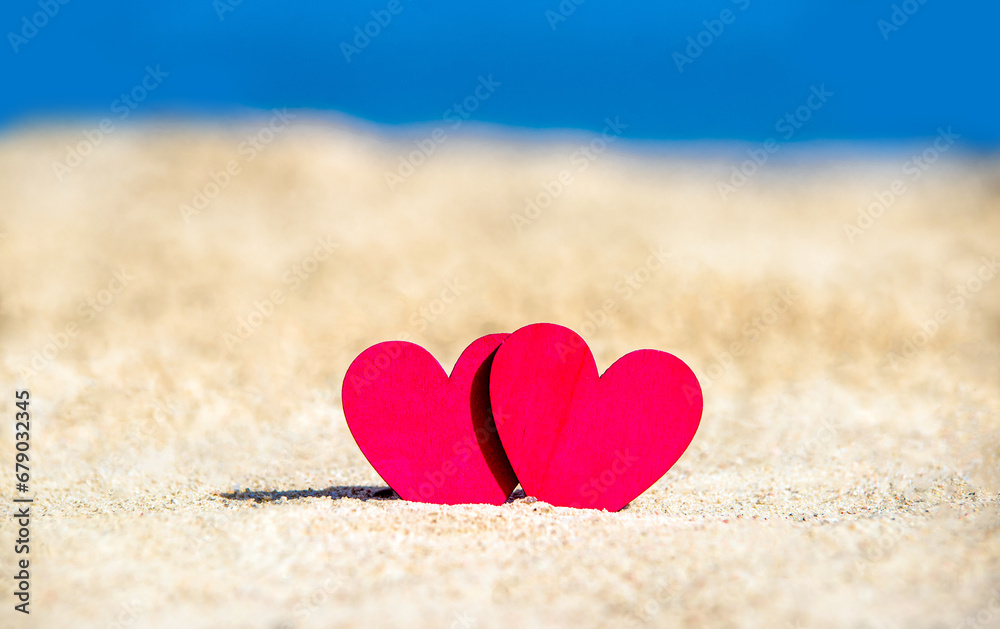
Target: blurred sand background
[{"x": 187, "y": 479}]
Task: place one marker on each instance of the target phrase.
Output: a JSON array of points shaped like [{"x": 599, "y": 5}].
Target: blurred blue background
[{"x": 896, "y": 70}]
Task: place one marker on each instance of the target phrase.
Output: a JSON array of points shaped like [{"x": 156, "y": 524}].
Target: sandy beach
[{"x": 183, "y": 301}]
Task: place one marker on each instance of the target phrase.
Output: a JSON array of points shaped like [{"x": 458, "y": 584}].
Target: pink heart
[
  {"x": 578, "y": 440},
  {"x": 430, "y": 437}
]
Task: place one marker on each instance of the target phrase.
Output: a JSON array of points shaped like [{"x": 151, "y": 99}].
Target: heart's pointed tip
[{"x": 473, "y": 501}]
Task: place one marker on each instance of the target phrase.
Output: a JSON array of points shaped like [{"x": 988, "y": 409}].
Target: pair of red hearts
[{"x": 525, "y": 407}]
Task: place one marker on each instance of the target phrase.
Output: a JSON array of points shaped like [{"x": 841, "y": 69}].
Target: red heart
[
  {"x": 578, "y": 440},
  {"x": 430, "y": 437}
]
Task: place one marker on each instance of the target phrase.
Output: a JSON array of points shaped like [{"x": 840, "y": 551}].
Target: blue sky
[{"x": 896, "y": 70}]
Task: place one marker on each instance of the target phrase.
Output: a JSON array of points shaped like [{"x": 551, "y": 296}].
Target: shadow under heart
[{"x": 335, "y": 492}]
